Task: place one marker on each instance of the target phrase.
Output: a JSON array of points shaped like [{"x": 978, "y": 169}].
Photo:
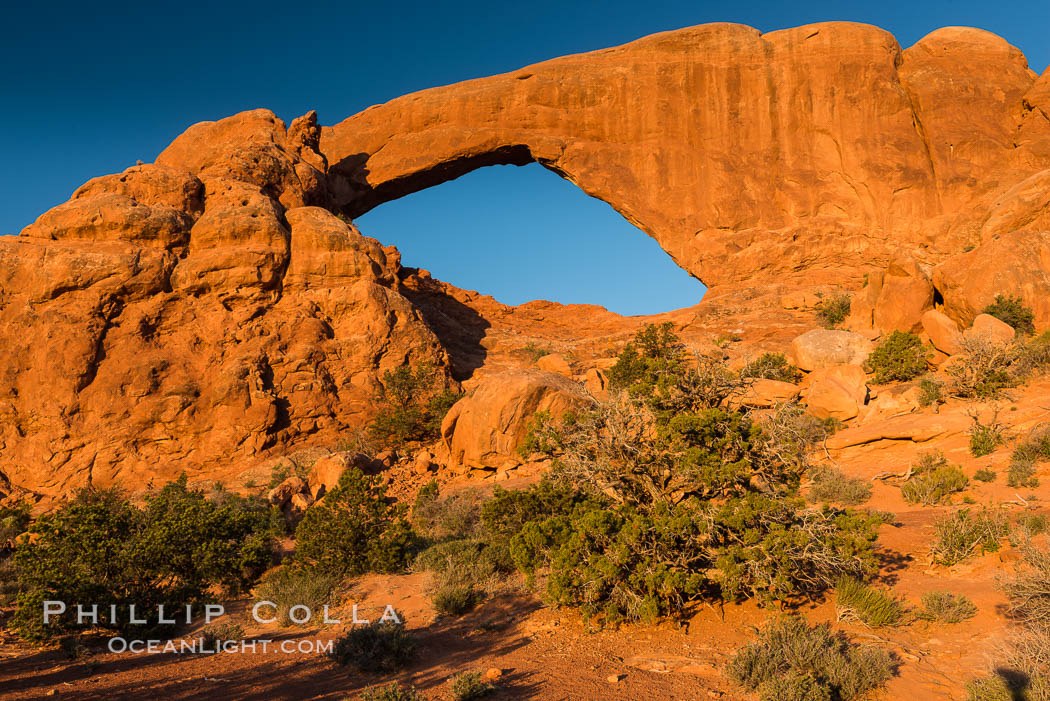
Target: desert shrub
[
  {"x": 14, "y": 521},
  {"x": 469, "y": 686},
  {"x": 1028, "y": 525},
  {"x": 543, "y": 434},
  {"x": 790, "y": 434},
  {"x": 933, "y": 480},
  {"x": 221, "y": 632},
  {"x": 379, "y": 647},
  {"x": 413, "y": 403},
  {"x": 1034, "y": 355},
  {"x": 663, "y": 496},
  {"x": 984, "y": 475},
  {"x": 454, "y": 599},
  {"x": 355, "y": 529},
  {"x": 508, "y": 511},
  {"x": 100, "y": 548},
  {"x": 931, "y": 392},
  {"x": 833, "y": 310},
  {"x": 1022, "y": 671},
  {"x": 985, "y": 438},
  {"x": 946, "y": 607},
  {"x": 290, "y": 586},
  {"x": 960, "y": 535},
  {"x": 286, "y": 468},
  {"x": 793, "y": 661},
  {"x": 985, "y": 369},
  {"x": 1029, "y": 589},
  {"x": 833, "y": 485},
  {"x": 456, "y": 515},
  {"x": 862, "y": 602},
  {"x": 390, "y": 692},
  {"x": 899, "y": 358},
  {"x": 654, "y": 352},
  {"x": 772, "y": 366},
  {"x": 1027, "y": 454},
  {"x": 1013, "y": 311}
]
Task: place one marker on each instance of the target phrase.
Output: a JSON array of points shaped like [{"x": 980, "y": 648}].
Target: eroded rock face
[
  {"x": 194, "y": 315},
  {"x": 747, "y": 156},
  {"x": 485, "y": 428}
]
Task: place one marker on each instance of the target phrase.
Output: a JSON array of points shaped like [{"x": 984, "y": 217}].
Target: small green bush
[
  {"x": 832, "y": 311},
  {"x": 534, "y": 352},
  {"x": 469, "y": 686},
  {"x": 793, "y": 661},
  {"x": 858, "y": 601},
  {"x": 831, "y": 484},
  {"x": 413, "y": 404},
  {"x": 985, "y": 438},
  {"x": 654, "y": 351},
  {"x": 14, "y": 521},
  {"x": 946, "y": 607},
  {"x": 456, "y": 515},
  {"x": 1013, "y": 311},
  {"x": 934, "y": 480},
  {"x": 454, "y": 600},
  {"x": 391, "y": 692},
  {"x": 984, "y": 475},
  {"x": 379, "y": 647},
  {"x": 1027, "y": 454},
  {"x": 220, "y": 633},
  {"x": 772, "y": 366},
  {"x": 962, "y": 534},
  {"x": 355, "y": 530},
  {"x": 290, "y": 586},
  {"x": 931, "y": 392},
  {"x": 899, "y": 358}
]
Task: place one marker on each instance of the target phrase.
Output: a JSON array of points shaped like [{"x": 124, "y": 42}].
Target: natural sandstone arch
[{"x": 745, "y": 155}]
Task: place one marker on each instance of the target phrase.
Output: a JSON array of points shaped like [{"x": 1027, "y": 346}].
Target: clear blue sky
[{"x": 88, "y": 88}]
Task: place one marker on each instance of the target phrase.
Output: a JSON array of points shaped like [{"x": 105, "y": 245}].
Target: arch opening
[{"x": 524, "y": 233}]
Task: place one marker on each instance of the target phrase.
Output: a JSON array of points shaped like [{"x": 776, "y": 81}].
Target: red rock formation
[
  {"x": 190, "y": 315},
  {"x": 747, "y": 156}
]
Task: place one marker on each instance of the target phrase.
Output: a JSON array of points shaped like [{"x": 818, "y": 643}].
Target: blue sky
[{"x": 88, "y": 89}]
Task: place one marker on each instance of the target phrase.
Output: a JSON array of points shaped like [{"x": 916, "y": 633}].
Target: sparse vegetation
[
  {"x": 390, "y": 692},
  {"x": 984, "y": 475},
  {"x": 931, "y": 392},
  {"x": 355, "y": 530},
  {"x": 469, "y": 686},
  {"x": 964, "y": 533},
  {"x": 833, "y": 310},
  {"x": 946, "y": 607},
  {"x": 413, "y": 402},
  {"x": 291, "y": 586},
  {"x": 830, "y": 484},
  {"x": 534, "y": 352},
  {"x": 219, "y": 633},
  {"x": 933, "y": 480},
  {"x": 1028, "y": 453},
  {"x": 453, "y": 599},
  {"x": 772, "y": 366},
  {"x": 1013, "y": 311},
  {"x": 379, "y": 647},
  {"x": 985, "y": 438},
  {"x": 100, "y": 547},
  {"x": 985, "y": 369},
  {"x": 899, "y": 358},
  {"x": 793, "y": 661},
  {"x": 862, "y": 602}
]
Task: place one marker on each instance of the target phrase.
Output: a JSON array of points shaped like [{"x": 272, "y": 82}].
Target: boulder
[
  {"x": 282, "y": 494},
  {"x": 905, "y": 293},
  {"x": 596, "y": 382},
  {"x": 485, "y": 428},
  {"x": 763, "y": 393},
  {"x": 914, "y": 427},
  {"x": 555, "y": 362},
  {"x": 835, "y": 391},
  {"x": 992, "y": 329},
  {"x": 943, "y": 332},
  {"x": 820, "y": 348}
]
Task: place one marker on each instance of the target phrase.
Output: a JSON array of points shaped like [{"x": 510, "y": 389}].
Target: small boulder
[
  {"x": 943, "y": 332},
  {"x": 904, "y": 294},
  {"x": 988, "y": 327},
  {"x": 325, "y": 473},
  {"x": 596, "y": 382},
  {"x": 765, "y": 393},
  {"x": 555, "y": 362},
  {"x": 836, "y": 391},
  {"x": 484, "y": 429},
  {"x": 283, "y": 493},
  {"x": 821, "y": 348}
]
